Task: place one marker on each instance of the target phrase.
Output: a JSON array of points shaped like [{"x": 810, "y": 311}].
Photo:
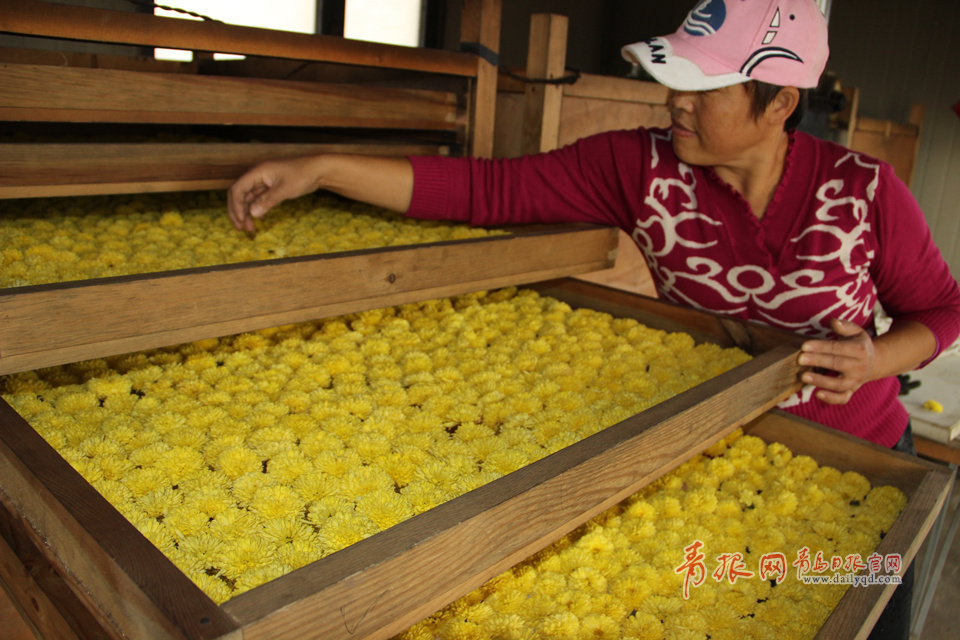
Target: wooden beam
[
  {"x": 589, "y": 85},
  {"x": 480, "y": 29},
  {"x": 546, "y": 59},
  {"x": 54, "y": 20},
  {"x": 103, "y": 95}
]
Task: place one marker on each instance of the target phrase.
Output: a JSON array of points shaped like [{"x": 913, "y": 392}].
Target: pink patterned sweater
[{"x": 841, "y": 234}]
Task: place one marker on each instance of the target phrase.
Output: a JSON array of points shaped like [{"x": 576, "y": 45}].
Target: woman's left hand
[{"x": 848, "y": 361}]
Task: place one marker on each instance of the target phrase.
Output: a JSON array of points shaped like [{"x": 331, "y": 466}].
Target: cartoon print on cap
[
  {"x": 706, "y": 18},
  {"x": 766, "y": 53}
]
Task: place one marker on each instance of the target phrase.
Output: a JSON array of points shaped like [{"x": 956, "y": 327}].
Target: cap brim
[{"x": 658, "y": 57}]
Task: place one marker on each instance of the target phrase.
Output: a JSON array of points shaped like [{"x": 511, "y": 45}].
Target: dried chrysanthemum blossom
[{"x": 89, "y": 237}]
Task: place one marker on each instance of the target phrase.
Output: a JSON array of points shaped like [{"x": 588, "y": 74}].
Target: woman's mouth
[{"x": 681, "y": 131}]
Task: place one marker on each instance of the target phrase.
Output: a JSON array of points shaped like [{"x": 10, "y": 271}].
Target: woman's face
[{"x": 713, "y": 128}]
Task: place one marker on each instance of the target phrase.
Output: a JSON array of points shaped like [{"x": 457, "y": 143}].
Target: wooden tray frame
[
  {"x": 381, "y": 585},
  {"x": 45, "y": 325}
]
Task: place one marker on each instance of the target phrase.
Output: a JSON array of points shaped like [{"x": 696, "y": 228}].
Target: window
[
  {"x": 287, "y": 15},
  {"x": 389, "y": 21}
]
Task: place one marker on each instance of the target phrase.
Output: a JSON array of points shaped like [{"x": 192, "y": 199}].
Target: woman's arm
[{"x": 381, "y": 181}]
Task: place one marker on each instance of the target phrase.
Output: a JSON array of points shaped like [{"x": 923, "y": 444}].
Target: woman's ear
[{"x": 783, "y": 106}]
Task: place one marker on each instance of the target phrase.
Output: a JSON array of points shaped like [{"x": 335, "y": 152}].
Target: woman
[{"x": 734, "y": 210}]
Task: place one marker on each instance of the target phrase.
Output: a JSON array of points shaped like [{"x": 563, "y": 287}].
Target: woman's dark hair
[{"x": 763, "y": 93}]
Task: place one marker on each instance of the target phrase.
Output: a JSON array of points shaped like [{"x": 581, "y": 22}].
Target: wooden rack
[{"x": 463, "y": 108}]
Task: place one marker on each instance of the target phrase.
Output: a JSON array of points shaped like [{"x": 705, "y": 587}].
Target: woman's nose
[{"x": 681, "y": 100}]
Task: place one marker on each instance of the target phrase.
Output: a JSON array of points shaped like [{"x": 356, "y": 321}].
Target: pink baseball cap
[{"x": 727, "y": 42}]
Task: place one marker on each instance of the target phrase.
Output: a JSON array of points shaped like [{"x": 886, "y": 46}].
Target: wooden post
[
  {"x": 480, "y": 28},
  {"x": 546, "y": 58},
  {"x": 916, "y": 118}
]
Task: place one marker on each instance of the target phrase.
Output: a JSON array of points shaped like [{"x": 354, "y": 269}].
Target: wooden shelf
[
  {"x": 421, "y": 95},
  {"x": 381, "y": 585},
  {"x": 44, "y": 325}
]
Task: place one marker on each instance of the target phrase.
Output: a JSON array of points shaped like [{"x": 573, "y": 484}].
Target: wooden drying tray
[
  {"x": 926, "y": 485},
  {"x": 71, "y": 557},
  {"x": 31, "y": 170},
  {"x": 51, "y": 324}
]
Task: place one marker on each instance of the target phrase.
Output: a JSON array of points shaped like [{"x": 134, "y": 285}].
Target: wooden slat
[
  {"x": 37, "y": 170},
  {"x": 126, "y": 582},
  {"x": 894, "y": 142},
  {"x": 590, "y": 85},
  {"x": 507, "y": 133},
  {"x": 480, "y": 25},
  {"x": 32, "y": 17},
  {"x": 54, "y": 324},
  {"x": 593, "y": 104},
  {"x": 620, "y": 89},
  {"x": 94, "y": 60},
  {"x": 583, "y": 117},
  {"x": 944, "y": 451},
  {"x": 546, "y": 59},
  {"x": 887, "y": 127},
  {"x": 925, "y": 484},
  {"x": 103, "y": 95},
  {"x": 104, "y": 188}
]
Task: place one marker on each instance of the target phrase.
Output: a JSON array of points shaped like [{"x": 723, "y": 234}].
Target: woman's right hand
[
  {"x": 267, "y": 185},
  {"x": 381, "y": 181}
]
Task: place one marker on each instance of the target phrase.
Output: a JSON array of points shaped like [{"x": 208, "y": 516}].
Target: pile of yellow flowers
[
  {"x": 65, "y": 239},
  {"x": 621, "y": 576},
  {"x": 246, "y": 457}
]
